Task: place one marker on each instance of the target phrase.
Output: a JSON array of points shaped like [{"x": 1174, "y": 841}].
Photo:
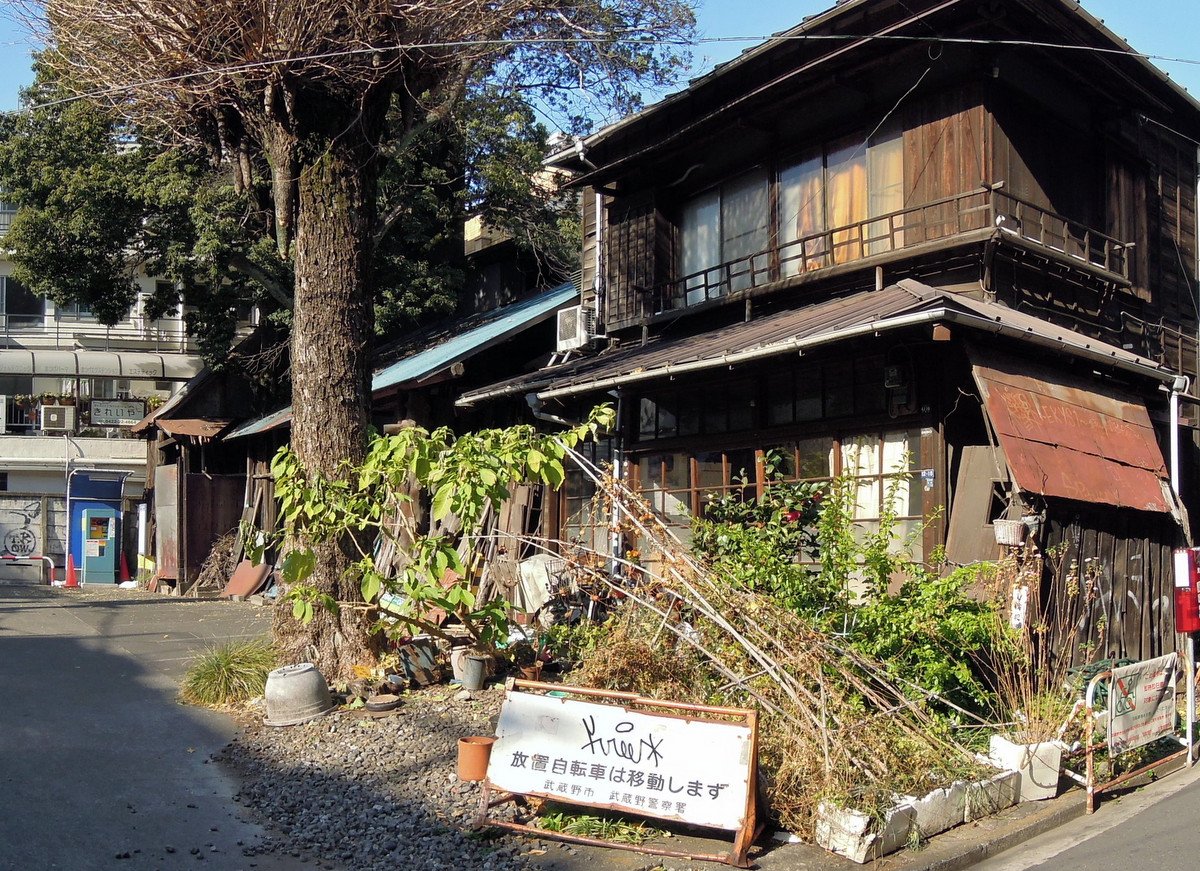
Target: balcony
[{"x": 963, "y": 218}]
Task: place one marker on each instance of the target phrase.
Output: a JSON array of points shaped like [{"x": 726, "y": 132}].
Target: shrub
[{"x": 228, "y": 674}]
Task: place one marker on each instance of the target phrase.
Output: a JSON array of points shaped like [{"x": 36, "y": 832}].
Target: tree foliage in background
[
  {"x": 309, "y": 101},
  {"x": 102, "y": 201}
]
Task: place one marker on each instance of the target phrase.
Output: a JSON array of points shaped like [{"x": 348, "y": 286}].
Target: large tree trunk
[{"x": 331, "y": 354}]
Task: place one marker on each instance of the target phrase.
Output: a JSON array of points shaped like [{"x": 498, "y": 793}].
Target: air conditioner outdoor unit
[
  {"x": 576, "y": 327},
  {"x": 58, "y": 418}
]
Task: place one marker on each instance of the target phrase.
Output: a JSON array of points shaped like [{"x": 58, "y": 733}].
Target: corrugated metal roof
[
  {"x": 789, "y": 331},
  {"x": 1072, "y": 439},
  {"x": 448, "y": 345},
  {"x": 198, "y": 427},
  {"x": 467, "y": 339},
  {"x": 261, "y": 425}
]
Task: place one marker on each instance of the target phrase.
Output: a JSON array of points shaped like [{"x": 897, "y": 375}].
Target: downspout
[
  {"x": 1178, "y": 386},
  {"x": 598, "y": 258},
  {"x": 618, "y": 472}
]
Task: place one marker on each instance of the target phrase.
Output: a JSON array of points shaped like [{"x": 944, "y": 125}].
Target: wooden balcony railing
[{"x": 940, "y": 220}]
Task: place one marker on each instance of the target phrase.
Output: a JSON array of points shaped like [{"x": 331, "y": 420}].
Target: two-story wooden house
[{"x": 948, "y": 247}]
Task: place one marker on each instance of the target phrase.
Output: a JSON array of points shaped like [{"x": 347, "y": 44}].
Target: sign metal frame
[
  {"x": 744, "y": 835},
  {"x": 1088, "y": 778}
]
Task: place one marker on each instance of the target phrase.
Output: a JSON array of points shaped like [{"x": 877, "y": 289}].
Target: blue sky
[{"x": 1161, "y": 27}]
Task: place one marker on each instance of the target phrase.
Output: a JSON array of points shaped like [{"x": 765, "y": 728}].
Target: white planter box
[
  {"x": 941, "y": 809},
  {"x": 859, "y": 837},
  {"x": 987, "y": 797},
  {"x": 1039, "y": 765}
]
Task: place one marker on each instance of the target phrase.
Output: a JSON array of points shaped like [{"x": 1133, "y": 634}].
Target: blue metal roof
[
  {"x": 504, "y": 322},
  {"x": 464, "y": 341}
]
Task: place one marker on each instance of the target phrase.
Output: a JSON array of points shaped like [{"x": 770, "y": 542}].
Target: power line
[{"x": 551, "y": 41}]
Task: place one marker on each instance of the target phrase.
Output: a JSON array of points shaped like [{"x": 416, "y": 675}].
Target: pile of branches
[
  {"x": 219, "y": 565},
  {"x": 832, "y": 725}
]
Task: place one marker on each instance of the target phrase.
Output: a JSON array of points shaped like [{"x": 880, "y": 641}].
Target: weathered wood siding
[
  {"x": 1131, "y": 553},
  {"x": 591, "y": 237},
  {"x": 637, "y": 257},
  {"x": 946, "y": 152},
  {"x": 1171, "y": 212}
]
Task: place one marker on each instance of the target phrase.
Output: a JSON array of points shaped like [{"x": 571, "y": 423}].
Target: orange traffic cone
[
  {"x": 124, "y": 576},
  {"x": 72, "y": 580}
]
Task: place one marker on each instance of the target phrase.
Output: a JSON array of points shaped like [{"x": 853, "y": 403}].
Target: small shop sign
[
  {"x": 1142, "y": 702},
  {"x": 117, "y": 412},
  {"x": 688, "y": 764}
]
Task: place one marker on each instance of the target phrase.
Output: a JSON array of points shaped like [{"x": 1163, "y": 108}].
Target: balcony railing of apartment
[
  {"x": 938, "y": 221},
  {"x": 70, "y": 334}
]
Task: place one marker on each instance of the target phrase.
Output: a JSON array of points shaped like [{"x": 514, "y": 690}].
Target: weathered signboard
[
  {"x": 1142, "y": 702},
  {"x": 690, "y": 771},
  {"x": 117, "y": 412},
  {"x": 693, "y": 764}
]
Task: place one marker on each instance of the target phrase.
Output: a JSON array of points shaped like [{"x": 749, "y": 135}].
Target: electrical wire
[{"x": 551, "y": 41}]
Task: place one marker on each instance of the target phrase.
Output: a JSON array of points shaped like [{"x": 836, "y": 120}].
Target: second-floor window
[
  {"x": 728, "y": 224},
  {"x": 825, "y": 203},
  {"x": 20, "y": 307}
]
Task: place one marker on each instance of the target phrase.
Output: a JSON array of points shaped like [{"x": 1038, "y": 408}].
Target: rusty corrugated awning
[
  {"x": 1070, "y": 438},
  {"x": 197, "y": 427}
]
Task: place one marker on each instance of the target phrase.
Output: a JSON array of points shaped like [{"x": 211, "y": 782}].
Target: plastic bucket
[
  {"x": 473, "y": 755},
  {"x": 475, "y": 669}
]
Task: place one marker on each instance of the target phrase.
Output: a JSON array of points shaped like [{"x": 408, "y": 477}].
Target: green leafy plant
[
  {"x": 379, "y": 501},
  {"x": 229, "y": 673},
  {"x": 602, "y": 828}
]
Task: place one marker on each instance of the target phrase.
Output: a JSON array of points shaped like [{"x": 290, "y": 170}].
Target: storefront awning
[
  {"x": 100, "y": 364},
  {"x": 1070, "y": 438}
]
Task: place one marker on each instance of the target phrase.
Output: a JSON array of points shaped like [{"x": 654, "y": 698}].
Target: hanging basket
[{"x": 1009, "y": 533}]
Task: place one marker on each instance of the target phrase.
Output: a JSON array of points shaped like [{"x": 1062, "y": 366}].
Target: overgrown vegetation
[
  {"x": 415, "y": 565},
  {"x": 800, "y": 544},
  {"x": 229, "y": 673}
]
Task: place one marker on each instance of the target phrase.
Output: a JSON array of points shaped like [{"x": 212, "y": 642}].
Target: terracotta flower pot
[
  {"x": 532, "y": 672},
  {"x": 473, "y": 754}
]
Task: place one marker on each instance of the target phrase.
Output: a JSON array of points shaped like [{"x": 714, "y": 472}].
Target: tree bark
[{"x": 332, "y": 328}]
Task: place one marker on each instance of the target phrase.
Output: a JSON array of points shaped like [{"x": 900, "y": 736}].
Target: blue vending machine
[
  {"x": 101, "y": 546},
  {"x": 94, "y": 528}
]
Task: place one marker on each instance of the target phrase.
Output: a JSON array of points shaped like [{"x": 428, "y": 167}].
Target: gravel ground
[{"x": 358, "y": 791}]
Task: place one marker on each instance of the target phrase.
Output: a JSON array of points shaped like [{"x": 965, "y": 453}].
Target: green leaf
[
  {"x": 298, "y": 565},
  {"x": 441, "y": 502},
  {"x": 372, "y": 584}
]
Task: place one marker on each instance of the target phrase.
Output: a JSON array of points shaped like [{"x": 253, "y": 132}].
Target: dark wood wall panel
[
  {"x": 632, "y": 245},
  {"x": 945, "y": 148},
  {"x": 590, "y": 236},
  {"x": 1131, "y": 555}
]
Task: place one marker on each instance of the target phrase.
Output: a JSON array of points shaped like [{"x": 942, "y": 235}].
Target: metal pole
[{"x": 1191, "y": 696}]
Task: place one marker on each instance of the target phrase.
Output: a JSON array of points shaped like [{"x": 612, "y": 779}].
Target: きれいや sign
[
  {"x": 1141, "y": 702},
  {"x": 688, "y": 770}
]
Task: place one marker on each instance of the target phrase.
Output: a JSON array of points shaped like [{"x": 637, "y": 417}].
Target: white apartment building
[{"x": 70, "y": 388}]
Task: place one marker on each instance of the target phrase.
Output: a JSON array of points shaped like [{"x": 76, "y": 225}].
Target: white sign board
[
  {"x": 1141, "y": 703},
  {"x": 687, "y": 770},
  {"x": 117, "y": 412}
]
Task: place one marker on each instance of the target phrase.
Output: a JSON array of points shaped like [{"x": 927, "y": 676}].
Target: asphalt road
[
  {"x": 1149, "y": 829},
  {"x": 97, "y": 759}
]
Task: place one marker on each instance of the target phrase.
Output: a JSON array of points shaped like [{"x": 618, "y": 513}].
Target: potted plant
[
  {"x": 66, "y": 399},
  {"x": 48, "y": 398},
  {"x": 1029, "y": 655},
  {"x": 528, "y": 659},
  {"x": 24, "y": 401}
]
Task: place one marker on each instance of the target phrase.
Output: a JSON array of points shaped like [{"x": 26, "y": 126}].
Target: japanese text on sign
[
  {"x": 692, "y": 771},
  {"x": 1141, "y": 704}
]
